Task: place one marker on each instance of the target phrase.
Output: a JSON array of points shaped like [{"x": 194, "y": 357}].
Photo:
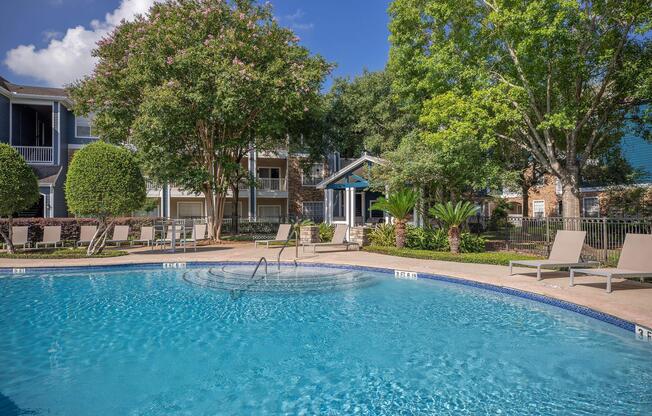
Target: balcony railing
[
  {"x": 36, "y": 154},
  {"x": 272, "y": 184}
]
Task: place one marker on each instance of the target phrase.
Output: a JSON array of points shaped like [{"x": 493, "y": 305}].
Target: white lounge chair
[
  {"x": 198, "y": 234},
  {"x": 51, "y": 236},
  {"x": 179, "y": 232},
  {"x": 339, "y": 239},
  {"x": 19, "y": 237},
  {"x": 120, "y": 235},
  {"x": 282, "y": 235},
  {"x": 635, "y": 261},
  {"x": 146, "y": 236},
  {"x": 86, "y": 234},
  {"x": 566, "y": 252}
]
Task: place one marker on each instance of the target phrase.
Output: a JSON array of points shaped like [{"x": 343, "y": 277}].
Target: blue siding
[
  {"x": 4, "y": 119},
  {"x": 638, "y": 153}
]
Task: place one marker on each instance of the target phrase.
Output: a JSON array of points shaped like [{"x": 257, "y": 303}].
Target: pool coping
[{"x": 563, "y": 304}]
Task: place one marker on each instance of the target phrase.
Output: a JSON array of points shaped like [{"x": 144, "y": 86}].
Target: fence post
[
  {"x": 547, "y": 235},
  {"x": 604, "y": 238}
]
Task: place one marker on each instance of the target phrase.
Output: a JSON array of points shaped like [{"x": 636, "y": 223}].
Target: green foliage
[
  {"x": 399, "y": 204},
  {"x": 104, "y": 181},
  {"x": 382, "y": 235},
  {"x": 453, "y": 215},
  {"x": 559, "y": 79},
  {"x": 326, "y": 232},
  {"x": 492, "y": 257},
  {"x": 419, "y": 238},
  {"x": 60, "y": 253},
  {"x": 499, "y": 215},
  {"x": 628, "y": 201},
  {"x": 18, "y": 183},
  {"x": 192, "y": 83}
]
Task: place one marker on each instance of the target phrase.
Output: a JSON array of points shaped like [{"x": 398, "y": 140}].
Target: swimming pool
[{"x": 146, "y": 341}]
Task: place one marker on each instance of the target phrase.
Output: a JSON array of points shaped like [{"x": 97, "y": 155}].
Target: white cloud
[
  {"x": 69, "y": 58},
  {"x": 294, "y": 21}
]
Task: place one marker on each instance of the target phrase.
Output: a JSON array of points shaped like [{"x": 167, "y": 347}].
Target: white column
[
  {"x": 328, "y": 205},
  {"x": 352, "y": 206},
  {"x": 347, "y": 203}
]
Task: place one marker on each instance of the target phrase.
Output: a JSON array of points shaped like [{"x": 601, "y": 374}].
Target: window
[
  {"x": 269, "y": 212},
  {"x": 269, "y": 179},
  {"x": 190, "y": 209},
  {"x": 84, "y": 127},
  {"x": 591, "y": 206},
  {"x": 314, "y": 175},
  {"x": 269, "y": 173},
  {"x": 313, "y": 210},
  {"x": 538, "y": 209}
]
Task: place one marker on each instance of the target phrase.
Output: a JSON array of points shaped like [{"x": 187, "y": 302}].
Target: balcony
[
  {"x": 36, "y": 154},
  {"x": 272, "y": 184}
]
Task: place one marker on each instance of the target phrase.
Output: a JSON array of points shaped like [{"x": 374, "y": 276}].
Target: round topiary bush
[
  {"x": 104, "y": 181},
  {"x": 18, "y": 188}
]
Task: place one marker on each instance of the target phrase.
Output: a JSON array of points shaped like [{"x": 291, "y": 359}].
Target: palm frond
[
  {"x": 399, "y": 204},
  {"x": 453, "y": 215}
]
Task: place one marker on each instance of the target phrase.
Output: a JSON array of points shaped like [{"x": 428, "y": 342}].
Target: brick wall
[{"x": 297, "y": 193}]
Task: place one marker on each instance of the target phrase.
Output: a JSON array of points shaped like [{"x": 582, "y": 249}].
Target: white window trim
[
  {"x": 280, "y": 210},
  {"x": 544, "y": 206},
  {"x": 201, "y": 204},
  {"x": 303, "y": 174},
  {"x": 268, "y": 167},
  {"x": 90, "y": 125},
  {"x": 584, "y": 199}
]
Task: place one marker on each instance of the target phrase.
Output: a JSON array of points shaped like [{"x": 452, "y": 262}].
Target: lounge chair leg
[
  {"x": 511, "y": 266},
  {"x": 609, "y": 284},
  {"x": 539, "y": 273},
  {"x": 572, "y": 278}
]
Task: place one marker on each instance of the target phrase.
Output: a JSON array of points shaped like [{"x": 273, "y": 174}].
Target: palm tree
[
  {"x": 453, "y": 216},
  {"x": 399, "y": 205}
]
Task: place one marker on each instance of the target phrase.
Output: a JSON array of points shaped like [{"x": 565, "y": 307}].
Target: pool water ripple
[{"x": 144, "y": 342}]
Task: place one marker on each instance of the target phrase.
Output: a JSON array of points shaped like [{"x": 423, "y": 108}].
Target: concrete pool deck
[{"x": 630, "y": 300}]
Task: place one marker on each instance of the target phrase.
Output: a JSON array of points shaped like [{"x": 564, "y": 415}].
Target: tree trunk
[
  {"x": 570, "y": 198},
  {"x": 98, "y": 242},
  {"x": 211, "y": 214},
  {"x": 399, "y": 228},
  {"x": 235, "y": 216},
  {"x": 454, "y": 239},
  {"x": 525, "y": 190},
  {"x": 9, "y": 237}
]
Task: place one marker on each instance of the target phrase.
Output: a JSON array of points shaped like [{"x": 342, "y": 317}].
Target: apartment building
[{"x": 40, "y": 124}]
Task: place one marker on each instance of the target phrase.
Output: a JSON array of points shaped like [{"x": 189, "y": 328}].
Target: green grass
[
  {"x": 60, "y": 253},
  {"x": 490, "y": 257}
]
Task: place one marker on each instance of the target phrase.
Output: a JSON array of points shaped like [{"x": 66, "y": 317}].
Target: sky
[{"x": 49, "y": 42}]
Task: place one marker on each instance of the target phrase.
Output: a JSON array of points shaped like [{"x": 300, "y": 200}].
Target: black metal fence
[{"x": 604, "y": 236}]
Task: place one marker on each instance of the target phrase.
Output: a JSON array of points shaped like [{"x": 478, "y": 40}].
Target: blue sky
[{"x": 48, "y": 42}]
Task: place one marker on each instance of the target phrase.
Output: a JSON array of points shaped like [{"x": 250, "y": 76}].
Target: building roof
[
  {"x": 356, "y": 164},
  {"x": 47, "y": 175},
  {"x": 31, "y": 90}
]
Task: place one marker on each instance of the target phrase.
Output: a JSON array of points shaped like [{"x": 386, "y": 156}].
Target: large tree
[
  {"x": 556, "y": 78},
  {"x": 18, "y": 188},
  {"x": 193, "y": 83}
]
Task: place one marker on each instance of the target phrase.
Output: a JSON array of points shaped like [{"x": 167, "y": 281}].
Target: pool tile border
[{"x": 573, "y": 307}]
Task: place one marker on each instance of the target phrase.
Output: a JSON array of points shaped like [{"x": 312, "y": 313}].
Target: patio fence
[{"x": 604, "y": 236}]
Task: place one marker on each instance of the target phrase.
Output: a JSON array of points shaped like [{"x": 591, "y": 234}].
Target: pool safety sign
[{"x": 404, "y": 274}]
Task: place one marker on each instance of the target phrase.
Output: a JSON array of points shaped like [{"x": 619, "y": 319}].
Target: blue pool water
[{"x": 148, "y": 342}]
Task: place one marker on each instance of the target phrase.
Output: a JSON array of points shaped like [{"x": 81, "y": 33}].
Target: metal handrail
[
  {"x": 258, "y": 265},
  {"x": 278, "y": 257}
]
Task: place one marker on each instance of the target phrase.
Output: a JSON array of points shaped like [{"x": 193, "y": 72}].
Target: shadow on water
[{"x": 9, "y": 408}]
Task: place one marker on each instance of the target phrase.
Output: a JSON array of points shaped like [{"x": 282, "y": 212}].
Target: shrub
[
  {"x": 104, "y": 181},
  {"x": 326, "y": 232},
  {"x": 426, "y": 239},
  {"x": 18, "y": 187},
  {"x": 471, "y": 243},
  {"x": 382, "y": 235}
]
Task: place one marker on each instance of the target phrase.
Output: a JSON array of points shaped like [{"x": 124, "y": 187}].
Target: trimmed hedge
[
  {"x": 70, "y": 227},
  {"x": 61, "y": 253},
  {"x": 426, "y": 239}
]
